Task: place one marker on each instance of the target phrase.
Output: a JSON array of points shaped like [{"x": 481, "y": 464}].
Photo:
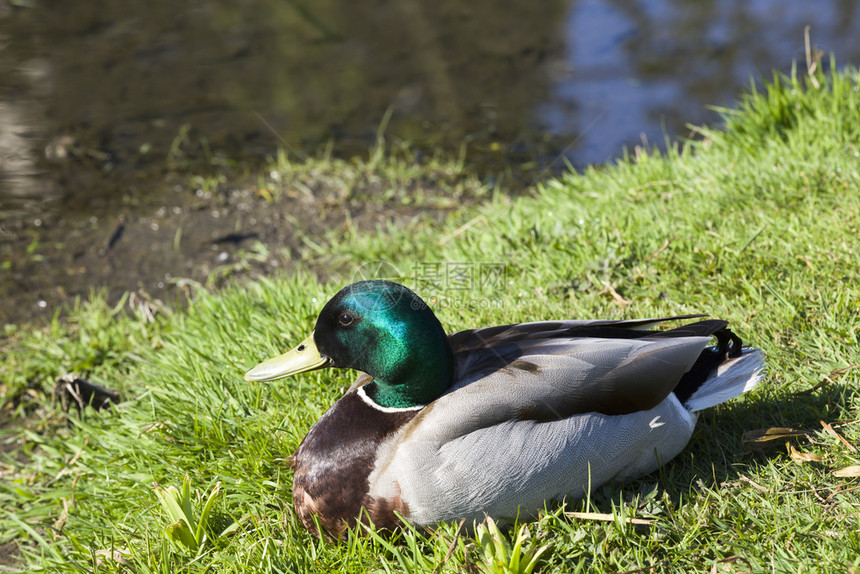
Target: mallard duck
[{"x": 495, "y": 421}]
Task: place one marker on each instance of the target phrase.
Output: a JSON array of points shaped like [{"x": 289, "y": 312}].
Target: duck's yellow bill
[{"x": 305, "y": 357}]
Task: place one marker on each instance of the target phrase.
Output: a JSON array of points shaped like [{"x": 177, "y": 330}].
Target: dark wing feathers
[
  {"x": 619, "y": 383},
  {"x": 705, "y": 328},
  {"x": 491, "y": 336}
]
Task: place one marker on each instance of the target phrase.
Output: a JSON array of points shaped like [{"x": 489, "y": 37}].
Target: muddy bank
[{"x": 211, "y": 232}]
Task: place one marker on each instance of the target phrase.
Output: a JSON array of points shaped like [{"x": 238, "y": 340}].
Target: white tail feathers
[{"x": 734, "y": 377}]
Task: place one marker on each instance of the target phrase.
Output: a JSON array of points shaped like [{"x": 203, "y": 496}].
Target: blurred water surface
[{"x": 95, "y": 95}]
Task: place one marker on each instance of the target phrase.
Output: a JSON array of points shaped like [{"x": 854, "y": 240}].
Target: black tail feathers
[{"x": 728, "y": 346}]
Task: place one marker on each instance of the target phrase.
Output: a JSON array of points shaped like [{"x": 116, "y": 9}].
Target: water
[{"x": 94, "y": 96}]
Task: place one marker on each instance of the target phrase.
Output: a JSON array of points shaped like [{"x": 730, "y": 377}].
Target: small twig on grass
[
  {"x": 660, "y": 250},
  {"x": 759, "y": 440},
  {"x": 798, "y": 456},
  {"x": 451, "y": 547},
  {"x": 619, "y": 300},
  {"x": 841, "y": 439},
  {"x": 60, "y": 522},
  {"x": 811, "y": 62},
  {"x": 754, "y": 484},
  {"x": 847, "y": 472},
  {"x": 463, "y": 228},
  {"x": 834, "y": 374}
]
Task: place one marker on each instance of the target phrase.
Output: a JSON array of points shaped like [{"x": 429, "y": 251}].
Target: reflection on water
[
  {"x": 636, "y": 67},
  {"x": 95, "y": 95}
]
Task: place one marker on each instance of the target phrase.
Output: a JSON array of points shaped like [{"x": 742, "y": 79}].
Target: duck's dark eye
[{"x": 346, "y": 320}]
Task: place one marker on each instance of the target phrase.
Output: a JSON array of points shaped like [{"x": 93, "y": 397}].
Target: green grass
[{"x": 757, "y": 223}]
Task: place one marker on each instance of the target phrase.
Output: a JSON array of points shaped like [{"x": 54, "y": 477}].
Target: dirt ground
[{"x": 186, "y": 236}]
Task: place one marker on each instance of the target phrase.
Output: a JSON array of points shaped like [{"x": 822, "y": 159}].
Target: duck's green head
[{"x": 383, "y": 329}]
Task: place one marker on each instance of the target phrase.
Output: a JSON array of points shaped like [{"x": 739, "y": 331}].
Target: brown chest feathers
[{"x": 333, "y": 464}]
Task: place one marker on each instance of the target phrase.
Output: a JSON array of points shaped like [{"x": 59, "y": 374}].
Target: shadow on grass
[{"x": 716, "y": 455}]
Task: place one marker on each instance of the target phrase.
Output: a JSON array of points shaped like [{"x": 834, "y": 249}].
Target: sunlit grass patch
[{"x": 757, "y": 224}]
